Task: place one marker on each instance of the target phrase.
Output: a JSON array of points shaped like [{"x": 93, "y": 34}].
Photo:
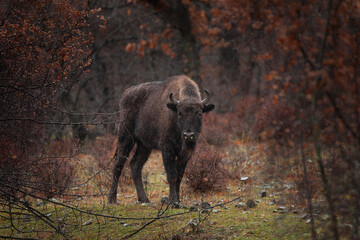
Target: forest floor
[{"x": 236, "y": 212}]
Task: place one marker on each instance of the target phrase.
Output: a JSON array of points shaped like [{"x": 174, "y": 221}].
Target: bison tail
[{"x": 115, "y": 150}]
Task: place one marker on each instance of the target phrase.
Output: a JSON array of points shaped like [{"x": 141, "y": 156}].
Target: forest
[{"x": 278, "y": 157}]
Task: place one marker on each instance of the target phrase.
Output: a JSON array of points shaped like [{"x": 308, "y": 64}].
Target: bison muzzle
[{"x": 165, "y": 116}]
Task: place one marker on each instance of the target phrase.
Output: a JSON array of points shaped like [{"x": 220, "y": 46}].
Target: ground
[{"x": 228, "y": 217}]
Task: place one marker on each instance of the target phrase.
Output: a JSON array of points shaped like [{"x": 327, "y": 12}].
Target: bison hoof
[
  {"x": 172, "y": 204},
  {"x": 145, "y": 200},
  {"x": 112, "y": 200}
]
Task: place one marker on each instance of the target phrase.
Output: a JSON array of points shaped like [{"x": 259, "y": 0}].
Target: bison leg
[
  {"x": 181, "y": 166},
  {"x": 172, "y": 174},
  {"x": 141, "y": 155},
  {"x": 123, "y": 149}
]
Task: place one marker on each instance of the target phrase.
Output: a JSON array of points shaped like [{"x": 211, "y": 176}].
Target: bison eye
[{"x": 180, "y": 114}]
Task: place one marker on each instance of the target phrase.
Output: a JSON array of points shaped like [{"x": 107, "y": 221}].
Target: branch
[
  {"x": 109, "y": 216},
  {"x": 306, "y": 57},
  {"x": 326, "y": 33},
  {"x": 23, "y": 238},
  {"x": 160, "y": 213},
  {"x": 6, "y": 15},
  {"x": 87, "y": 212},
  {"x": 341, "y": 116},
  {"x": 56, "y": 123},
  {"x": 43, "y": 218}
]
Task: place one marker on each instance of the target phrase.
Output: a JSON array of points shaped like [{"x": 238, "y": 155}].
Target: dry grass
[{"x": 221, "y": 222}]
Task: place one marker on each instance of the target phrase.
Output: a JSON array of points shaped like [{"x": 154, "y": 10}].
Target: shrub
[
  {"x": 46, "y": 175},
  {"x": 56, "y": 173},
  {"x": 54, "y": 176},
  {"x": 205, "y": 171},
  {"x": 278, "y": 121}
]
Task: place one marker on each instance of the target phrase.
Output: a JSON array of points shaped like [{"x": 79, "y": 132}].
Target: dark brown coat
[{"x": 166, "y": 116}]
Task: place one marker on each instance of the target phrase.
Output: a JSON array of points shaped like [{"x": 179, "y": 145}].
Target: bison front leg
[
  {"x": 180, "y": 166},
  {"x": 172, "y": 174}
]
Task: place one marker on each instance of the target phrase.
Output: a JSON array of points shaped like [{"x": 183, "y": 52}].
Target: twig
[
  {"x": 161, "y": 213},
  {"x": 56, "y": 123},
  {"x": 23, "y": 238}
]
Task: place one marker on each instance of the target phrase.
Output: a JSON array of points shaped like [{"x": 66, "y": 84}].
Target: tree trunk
[{"x": 177, "y": 15}]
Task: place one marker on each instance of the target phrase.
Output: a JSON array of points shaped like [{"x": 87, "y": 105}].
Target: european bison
[{"x": 159, "y": 115}]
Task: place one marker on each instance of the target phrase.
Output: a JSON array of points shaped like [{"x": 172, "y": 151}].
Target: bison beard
[{"x": 166, "y": 116}]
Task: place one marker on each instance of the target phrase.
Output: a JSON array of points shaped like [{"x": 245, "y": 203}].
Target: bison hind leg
[
  {"x": 124, "y": 147},
  {"x": 137, "y": 163}
]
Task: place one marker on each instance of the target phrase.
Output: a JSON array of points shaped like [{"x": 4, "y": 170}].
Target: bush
[
  {"x": 55, "y": 174},
  {"x": 279, "y": 122},
  {"x": 40, "y": 175},
  {"x": 205, "y": 171}
]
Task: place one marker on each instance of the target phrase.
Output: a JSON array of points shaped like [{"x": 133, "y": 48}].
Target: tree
[
  {"x": 320, "y": 80},
  {"x": 45, "y": 47}
]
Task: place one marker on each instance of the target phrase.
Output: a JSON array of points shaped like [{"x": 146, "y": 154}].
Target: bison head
[{"x": 189, "y": 116}]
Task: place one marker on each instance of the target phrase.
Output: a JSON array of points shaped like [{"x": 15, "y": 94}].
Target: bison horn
[
  {"x": 207, "y": 98},
  {"x": 173, "y": 100}
]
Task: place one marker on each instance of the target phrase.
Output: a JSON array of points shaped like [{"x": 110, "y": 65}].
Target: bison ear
[
  {"x": 172, "y": 107},
  {"x": 208, "y": 108}
]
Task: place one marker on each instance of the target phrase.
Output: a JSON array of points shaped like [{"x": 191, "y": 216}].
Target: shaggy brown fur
[{"x": 151, "y": 120}]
